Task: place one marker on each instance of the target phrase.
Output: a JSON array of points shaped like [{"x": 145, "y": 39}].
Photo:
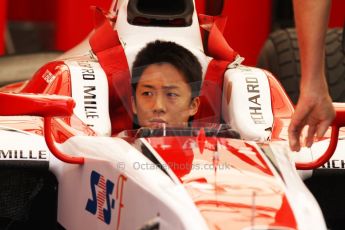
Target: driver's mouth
[{"x": 157, "y": 123}]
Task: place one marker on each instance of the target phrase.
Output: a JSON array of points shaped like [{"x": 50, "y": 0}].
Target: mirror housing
[{"x": 43, "y": 105}]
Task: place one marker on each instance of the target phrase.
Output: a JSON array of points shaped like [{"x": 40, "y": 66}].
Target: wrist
[{"x": 313, "y": 83}]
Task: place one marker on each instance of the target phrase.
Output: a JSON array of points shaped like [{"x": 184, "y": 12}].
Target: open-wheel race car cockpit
[{"x": 153, "y": 122}]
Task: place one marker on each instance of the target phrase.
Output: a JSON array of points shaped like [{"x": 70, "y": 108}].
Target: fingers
[
  {"x": 329, "y": 116},
  {"x": 310, "y": 137},
  {"x": 294, "y": 131},
  {"x": 294, "y": 142},
  {"x": 317, "y": 130},
  {"x": 319, "y": 127},
  {"x": 322, "y": 128},
  {"x": 298, "y": 121}
]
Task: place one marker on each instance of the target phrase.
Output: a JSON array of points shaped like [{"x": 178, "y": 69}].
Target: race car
[{"x": 71, "y": 158}]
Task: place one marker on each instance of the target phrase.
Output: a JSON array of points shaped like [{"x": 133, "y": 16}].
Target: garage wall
[{"x": 61, "y": 24}]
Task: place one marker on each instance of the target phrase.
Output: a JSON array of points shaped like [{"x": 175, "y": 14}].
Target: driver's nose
[{"x": 159, "y": 104}]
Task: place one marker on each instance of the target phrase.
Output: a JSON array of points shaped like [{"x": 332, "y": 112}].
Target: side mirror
[
  {"x": 338, "y": 122},
  {"x": 47, "y": 106},
  {"x": 35, "y": 105}
]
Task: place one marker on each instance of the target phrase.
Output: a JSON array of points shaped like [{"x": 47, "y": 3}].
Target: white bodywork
[
  {"x": 140, "y": 194},
  {"x": 146, "y": 195}
]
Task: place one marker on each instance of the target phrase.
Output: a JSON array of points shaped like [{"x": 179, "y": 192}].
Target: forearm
[
  {"x": 311, "y": 18},
  {"x": 314, "y": 107}
]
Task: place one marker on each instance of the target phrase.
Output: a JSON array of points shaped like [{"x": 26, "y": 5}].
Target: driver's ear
[
  {"x": 194, "y": 106},
  {"x": 134, "y": 106}
]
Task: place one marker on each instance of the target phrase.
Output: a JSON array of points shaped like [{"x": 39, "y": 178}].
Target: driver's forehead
[{"x": 162, "y": 75}]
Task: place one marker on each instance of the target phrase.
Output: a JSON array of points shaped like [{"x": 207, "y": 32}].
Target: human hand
[{"x": 314, "y": 108}]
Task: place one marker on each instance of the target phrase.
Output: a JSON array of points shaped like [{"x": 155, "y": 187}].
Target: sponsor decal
[
  {"x": 90, "y": 91},
  {"x": 90, "y": 103},
  {"x": 87, "y": 70},
  {"x": 254, "y": 100},
  {"x": 19, "y": 154},
  {"x": 105, "y": 197},
  {"x": 334, "y": 164},
  {"x": 90, "y": 100},
  {"x": 48, "y": 76}
]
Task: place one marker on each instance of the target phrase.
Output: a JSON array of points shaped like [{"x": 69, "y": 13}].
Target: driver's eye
[
  {"x": 147, "y": 93},
  {"x": 172, "y": 94}
]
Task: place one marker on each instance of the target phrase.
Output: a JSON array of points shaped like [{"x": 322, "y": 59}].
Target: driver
[{"x": 166, "y": 80}]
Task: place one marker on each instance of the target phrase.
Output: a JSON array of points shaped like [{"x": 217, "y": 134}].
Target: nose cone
[{"x": 242, "y": 193}]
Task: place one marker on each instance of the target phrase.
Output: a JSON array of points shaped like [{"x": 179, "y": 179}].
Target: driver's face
[{"x": 163, "y": 97}]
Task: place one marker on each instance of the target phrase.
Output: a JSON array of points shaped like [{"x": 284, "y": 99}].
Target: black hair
[{"x": 172, "y": 53}]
